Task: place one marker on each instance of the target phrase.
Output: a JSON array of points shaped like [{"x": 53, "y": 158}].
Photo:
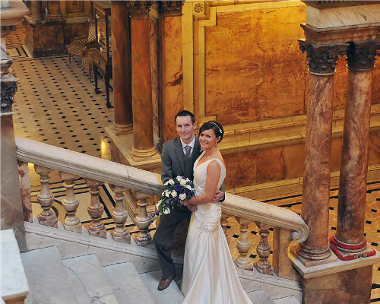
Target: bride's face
[{"x": 208, "y": 139}]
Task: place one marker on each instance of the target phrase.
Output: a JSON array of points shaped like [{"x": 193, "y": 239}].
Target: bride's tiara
[{"x": 214, "y": 123}]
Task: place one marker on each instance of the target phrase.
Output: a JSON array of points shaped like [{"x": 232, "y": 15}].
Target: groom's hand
[{"x": 219, "y": 195}]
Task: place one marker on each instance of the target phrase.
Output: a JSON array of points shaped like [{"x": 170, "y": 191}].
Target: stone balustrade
[{"x": 134, "y": 188}]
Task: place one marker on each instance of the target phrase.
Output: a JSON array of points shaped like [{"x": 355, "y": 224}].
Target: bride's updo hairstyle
[{"x": 215, "y": 126}]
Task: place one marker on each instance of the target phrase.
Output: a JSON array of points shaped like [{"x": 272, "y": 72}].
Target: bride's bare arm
[{"x": 212, "y": 179}]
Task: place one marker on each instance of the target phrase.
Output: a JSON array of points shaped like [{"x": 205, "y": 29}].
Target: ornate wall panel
[{"x": 242, "y": 66}]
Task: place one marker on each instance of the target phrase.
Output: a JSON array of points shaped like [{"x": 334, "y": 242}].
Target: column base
[
  {"x": 121, "y": 148},
  {"x": 347, "y": 252},
  {"x": 122, "y": 129},
  {"x": 313, "y": 255},
  {"x": 141, "y": 155},
  {"x": 307, "y": 262}
]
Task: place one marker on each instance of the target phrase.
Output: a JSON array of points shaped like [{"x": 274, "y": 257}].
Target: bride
[{"x": 209, "y": 274}]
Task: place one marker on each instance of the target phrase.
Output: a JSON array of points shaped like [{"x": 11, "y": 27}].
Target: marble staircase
[
  {"x": 83, "y": 280},
  {"x": 54, "y": 275}
]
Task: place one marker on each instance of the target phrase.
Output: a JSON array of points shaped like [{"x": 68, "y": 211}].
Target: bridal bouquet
[{"x": 177, "y": 190}]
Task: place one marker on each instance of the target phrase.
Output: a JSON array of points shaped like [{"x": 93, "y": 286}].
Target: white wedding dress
[{"x": 209, "y": 274}]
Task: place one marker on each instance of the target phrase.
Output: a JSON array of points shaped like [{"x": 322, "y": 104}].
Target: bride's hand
[{"x": 192, "y": 208}]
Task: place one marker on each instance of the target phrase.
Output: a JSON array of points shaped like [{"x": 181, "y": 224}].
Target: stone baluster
[
  {"x": 243, "y": 245},
  {"x": 224, "y": 224},
  {"x": 120, "y": 215},
  {"x": 142, "y": 220},
  {"x": 23, "y": 176},
  {"x": 70, "y": 203},
  {"x": 263, "y": 250},
  {"x": 95, "y": 210},
  {"x": 45, "y": 198}
]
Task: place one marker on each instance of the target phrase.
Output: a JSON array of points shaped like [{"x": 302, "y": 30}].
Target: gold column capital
[
  {"x": 171, "y": 8},
  {"x": 361, "y": 56},
  {"x": 139, "y": 9},
  {"x": 322, "y": 58}
]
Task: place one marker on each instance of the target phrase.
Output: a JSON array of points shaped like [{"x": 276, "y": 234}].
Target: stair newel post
[
  {"x": 95, "y": 210},
  {"x": 243, "y": 245},
  {"x": 263, "y": 250},
  {"x": 142, "y": 220},
  {"x": 224, "y": 224},
  {"x": 45, "y": 198},
  {"x": 70, "y": 203},
  {"x": 120, "y": 215}
]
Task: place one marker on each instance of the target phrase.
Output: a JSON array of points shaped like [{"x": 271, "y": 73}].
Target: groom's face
[{"x": 185, "y": 128}]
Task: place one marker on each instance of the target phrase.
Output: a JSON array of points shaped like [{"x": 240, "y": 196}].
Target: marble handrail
[
  {"x": 274, "y": 216},
  {"x": 87, "y": 166},
  {"x": 147, "y": 182}
]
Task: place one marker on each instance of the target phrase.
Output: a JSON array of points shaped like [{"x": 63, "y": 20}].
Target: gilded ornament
[{"x": 198, "y": 8}]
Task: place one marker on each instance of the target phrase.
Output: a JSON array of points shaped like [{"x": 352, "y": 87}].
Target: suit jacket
[{"x": 174, "y": 162}]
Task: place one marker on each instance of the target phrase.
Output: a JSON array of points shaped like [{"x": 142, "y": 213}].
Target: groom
[{"x": 178, "y": 157}]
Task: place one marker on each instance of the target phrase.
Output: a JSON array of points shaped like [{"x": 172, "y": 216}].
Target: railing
[
  {"x": 322, "y": 4},
  {"x": 133, "y": 188}
]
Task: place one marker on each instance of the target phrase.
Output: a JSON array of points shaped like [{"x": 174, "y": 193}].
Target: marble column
[
  {"x": 53, "y": 10},
  {"x": 12, "y": 216},
  {"x": 171, "y": 74},
  {"x": 354, "y": 165},
  {"x": 316, "y": 181},
  {"x": 121, "y": 68},
  {"x": 143, "y": 146},
  {"x": 36, "y": 9}
]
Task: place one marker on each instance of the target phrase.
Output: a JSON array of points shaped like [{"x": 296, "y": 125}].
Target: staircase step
[
  {"x": 171, "y": 295},
  {"x": 47, "y": 277},
  {"x": 286, "y": 300},
  {"x": 127, "y": 285},
  {"x": 260, "y": 296},
  {"x": 88, "y": 280}
]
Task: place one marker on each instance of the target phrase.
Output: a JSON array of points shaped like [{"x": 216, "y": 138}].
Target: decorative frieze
[
  {"x": 361, "y": 56},
  {"x": 171, "y": 8},
  {"x": 322, "y": 59},
  {"x": 139, "y": 9},
  {"x": 8, "y": 89}
]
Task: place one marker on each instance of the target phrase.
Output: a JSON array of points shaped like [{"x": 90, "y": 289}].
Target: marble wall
[{"x": 243, "y": 67}]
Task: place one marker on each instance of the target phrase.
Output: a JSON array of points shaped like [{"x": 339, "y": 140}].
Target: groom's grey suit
[{"x": 174, "y": 163}]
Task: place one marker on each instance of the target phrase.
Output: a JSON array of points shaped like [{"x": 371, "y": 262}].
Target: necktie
[{"x": 188, "y": 152}]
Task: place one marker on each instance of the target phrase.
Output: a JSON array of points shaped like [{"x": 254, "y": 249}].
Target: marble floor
[{"x": 56, "y": 104}]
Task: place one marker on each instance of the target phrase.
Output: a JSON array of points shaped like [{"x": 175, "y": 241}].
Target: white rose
[
  {"x": 182, "y": 182},
  {"x": 182, "y": 196},
  {"x": 166, "y": 183},
  {"x": 174, "y": 193},
  {"x": 189, "y": 187},
  {"x": 187, "y": 180},
  {"x": 167, "y": 211},
  {"x": 171, "y": 182},
  {"x": 179, "y": 178},
  {"x": 167, "y": 193}
]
